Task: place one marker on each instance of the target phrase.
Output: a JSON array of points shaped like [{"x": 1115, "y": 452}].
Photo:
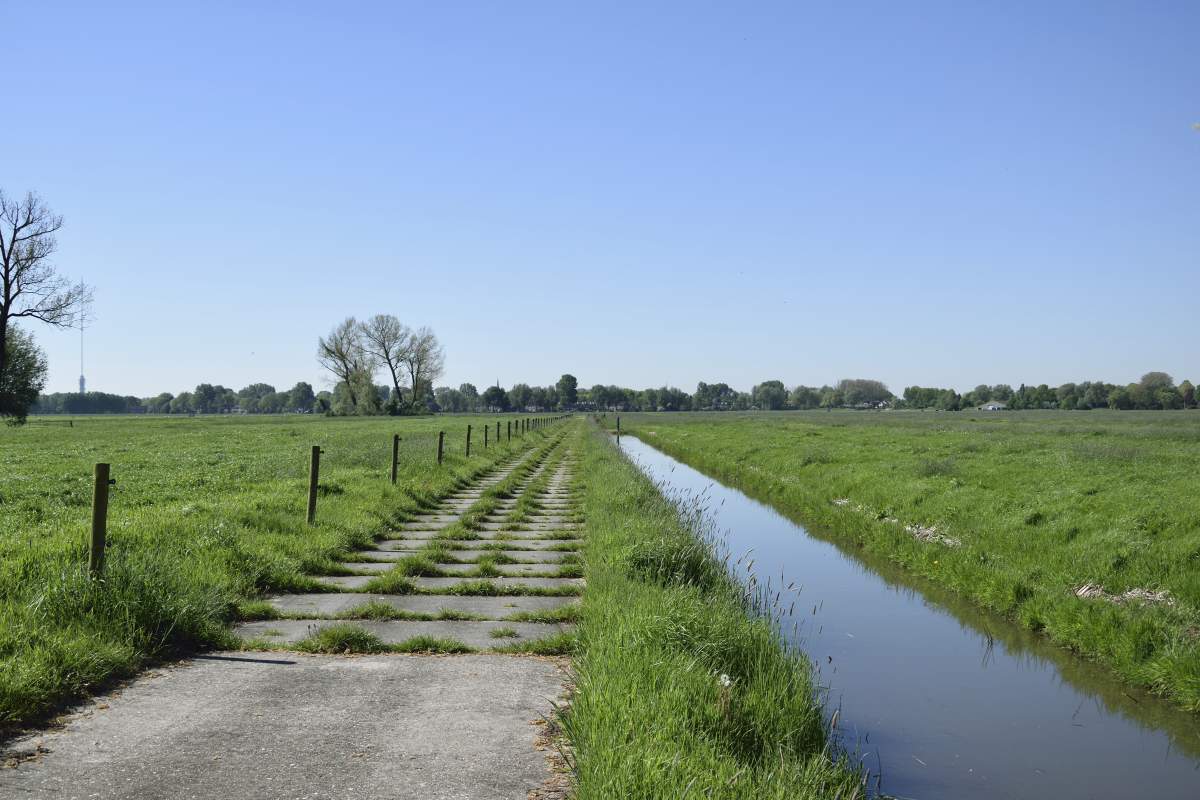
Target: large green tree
[
  {"x": 769, "y": 395},
  {"x": 24, "y": 375},
  {"x": 495, "y": 399},
  {"x": 568, "y": 391}
]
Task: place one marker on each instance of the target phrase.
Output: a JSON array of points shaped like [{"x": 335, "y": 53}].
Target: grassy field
[
  {"x": 681, "y": 692},
  {"x": 207, "y": 515},
  {"x": 1022, "y": 512}
]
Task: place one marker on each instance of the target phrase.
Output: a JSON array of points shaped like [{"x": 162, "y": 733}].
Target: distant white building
[{"x": 994, "y": 405}]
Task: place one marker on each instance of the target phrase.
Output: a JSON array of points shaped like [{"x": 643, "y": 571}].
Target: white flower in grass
[{"x": 725, "y": 680}]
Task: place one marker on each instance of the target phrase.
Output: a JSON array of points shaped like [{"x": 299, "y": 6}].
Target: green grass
[
  {"x": 567, "y": 614},
  {"x": 1013, "y": 510},
  {"x": 503, "y": 633},
  {"x": 661, "y": 623},
  {"x": 206, "y": 517},
  {"x": 341, "y": 638},
  {"x": 560, "y": 644},
  {"x": 345, "y": 638}
]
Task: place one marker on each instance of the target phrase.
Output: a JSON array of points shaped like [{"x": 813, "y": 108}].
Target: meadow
[
  {"x": 207, "y": 515},
  {"x": 1084, "y": 526}
]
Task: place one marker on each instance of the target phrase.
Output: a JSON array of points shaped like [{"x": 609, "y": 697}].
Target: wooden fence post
[
  {"x": 314, "y": 472},
  {"x": 468, "y": 441},
  {"x": 99, "y": 519},
  {"x": 441, "y": 438},
  {"x": 395, "y": 455},
  {"x": 509, "y": 439},
  {"x": 486, "y": 428}
]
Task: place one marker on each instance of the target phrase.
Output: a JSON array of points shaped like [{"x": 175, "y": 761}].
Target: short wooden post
[
  {"x": 497, "y": 431},
  {"x": 486, "y": 428},
  {"x": 99, "y": 519},
  {"x": 509, "y": 432},
  {"x": 441, "y": 438},
  {"x": 314, "y": 473},
  {"x": 618, "y": 430},
  {"x": 468, "y": 441},
  {"x": 395, "y": 455}
]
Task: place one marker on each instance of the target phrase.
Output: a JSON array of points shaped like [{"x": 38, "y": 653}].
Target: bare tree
[
  {"x": 388, "y": 341},
  {"x": 424, "y": 362},
  {"x": 29, "y": 285},
  {"x": 342, "y": 353}
]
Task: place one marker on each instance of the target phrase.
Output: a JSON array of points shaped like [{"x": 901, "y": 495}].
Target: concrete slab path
[{"x": 283, "y": 726}]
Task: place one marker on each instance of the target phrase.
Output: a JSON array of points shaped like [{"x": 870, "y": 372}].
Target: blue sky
[{"x": 930, "y": 193}]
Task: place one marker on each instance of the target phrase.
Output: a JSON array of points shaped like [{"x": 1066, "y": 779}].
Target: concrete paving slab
[
  {"x": 533, "y": 556},
  {"x": 523, "y": 544},
  {"x": 556, "y": 534},
  {"x": 344, "y": 581},
  {"x": 526, "y": 525},
  {"x": 330, "y": 604},
  {"x": 434, "y": 584},
  {"x": 286, "y": 726},
  {"x": 504, "y": 569},
  {"x": 471, "y": 633},
  {"x": 372, "y": 567},
  {"x": 406, "y": 533},
  {"x": 385, "y": 555}
]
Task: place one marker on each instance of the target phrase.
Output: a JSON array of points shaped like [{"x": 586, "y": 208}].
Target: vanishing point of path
[{"x": 280, "y": 724}]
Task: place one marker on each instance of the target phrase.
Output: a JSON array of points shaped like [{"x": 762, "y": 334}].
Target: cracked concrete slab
[
  {"x": 286, "y": 726},
  {"x": 472, "y": 633},
  {"x": 537, "y": 556},
  {"x": 534, "y": 583},
  {"x": 495, "y": 607}
]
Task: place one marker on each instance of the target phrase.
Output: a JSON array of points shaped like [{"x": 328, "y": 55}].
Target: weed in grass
[
  {"x": 341, "y": 638},
  {"x": 485, "y": 567},
  {"x": 250, "y": 610},
  {"x": 392, "y": 582},
  {"x": 420, "y": 565},
  {"x": 560, "y": 644},
  {"x": 563, "y": 614},
  {"x": 453, "y": 614},
  {"x": 377, "y": 610},
  {"x": 430, "y": 644}
]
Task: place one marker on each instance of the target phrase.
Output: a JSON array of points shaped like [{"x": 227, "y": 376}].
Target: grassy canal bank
[
  {"x": 1082, "y": 526},
  {"x": 679, "y": 688}
]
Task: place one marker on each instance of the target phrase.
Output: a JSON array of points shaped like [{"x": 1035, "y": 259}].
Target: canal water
[{"x": 943, "y": 701}]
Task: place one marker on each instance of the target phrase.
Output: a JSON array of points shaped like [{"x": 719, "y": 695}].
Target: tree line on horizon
[
  {"x": 1154, "y": 391},
  {"x": 355, "y": 353}
]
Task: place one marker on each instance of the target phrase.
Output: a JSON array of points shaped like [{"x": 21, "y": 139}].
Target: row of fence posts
[{"x": 102, "y": 480}]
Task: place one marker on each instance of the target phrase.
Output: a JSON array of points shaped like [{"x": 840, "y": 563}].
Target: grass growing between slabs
[
  {"x": 681, "y": 690},
  {"x": 1084, "y": 526},
  {"x": 207, "y": 516}
]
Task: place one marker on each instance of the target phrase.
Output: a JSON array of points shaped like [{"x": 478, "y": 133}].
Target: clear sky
[{"x": 923, "y": 193}]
